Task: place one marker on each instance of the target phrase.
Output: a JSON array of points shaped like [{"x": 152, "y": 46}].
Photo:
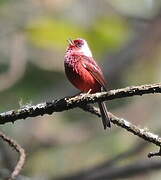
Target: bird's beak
[{"x": 70, "y": 41}]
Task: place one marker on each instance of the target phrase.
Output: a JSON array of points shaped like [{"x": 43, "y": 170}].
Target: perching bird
[{"x": 84, "y": 73}]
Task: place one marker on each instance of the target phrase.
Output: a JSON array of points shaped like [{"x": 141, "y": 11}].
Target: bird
[{"x": 84, "y": 73}]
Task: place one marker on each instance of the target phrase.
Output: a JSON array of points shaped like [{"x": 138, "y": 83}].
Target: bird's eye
[{"x": 79, "y": 44}]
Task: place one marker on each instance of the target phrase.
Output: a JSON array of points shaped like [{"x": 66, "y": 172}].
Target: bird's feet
[{"x": 85, "y": 94}]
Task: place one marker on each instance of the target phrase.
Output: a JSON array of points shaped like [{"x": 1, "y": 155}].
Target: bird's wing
[{"x": 91, "y": 66}]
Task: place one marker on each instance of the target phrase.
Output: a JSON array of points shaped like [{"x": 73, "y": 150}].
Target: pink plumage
[{"x": 84, "y": 73}]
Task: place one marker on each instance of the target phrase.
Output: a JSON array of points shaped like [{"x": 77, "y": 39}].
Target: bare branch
[
  {"x": 21, "y": 152},
  {"x": 142, "y": 133},
  {"x": 151, "y": 154},
  {"x": 82, "y": 101},
  {"x": 67, "y": 103}
]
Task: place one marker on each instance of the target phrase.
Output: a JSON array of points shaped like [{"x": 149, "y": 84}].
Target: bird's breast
[{"x": 79, "y": 76}]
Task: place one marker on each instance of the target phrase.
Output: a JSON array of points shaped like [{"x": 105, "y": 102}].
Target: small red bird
[{"x": 84, "y": 73}]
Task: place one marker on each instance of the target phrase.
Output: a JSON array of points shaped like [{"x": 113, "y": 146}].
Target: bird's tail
[{"x": 104, "y": 115}]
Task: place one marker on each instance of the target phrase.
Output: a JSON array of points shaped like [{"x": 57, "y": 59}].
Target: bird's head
[{"x": 80, "y": 45}]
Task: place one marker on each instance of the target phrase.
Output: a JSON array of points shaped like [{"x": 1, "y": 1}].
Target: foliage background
[{"x": 125, "y": 39}]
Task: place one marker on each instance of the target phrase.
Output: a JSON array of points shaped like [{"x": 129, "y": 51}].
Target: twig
[
  {"x": 142, "y": 133},
  {"x": 151, "y": 154},
  {"x": 21, "y": 152}
]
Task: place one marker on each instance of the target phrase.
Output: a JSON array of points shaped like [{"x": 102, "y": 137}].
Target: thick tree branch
[
  {"x": 76, "y": 101},
  {"x": 82, "y": 101}
]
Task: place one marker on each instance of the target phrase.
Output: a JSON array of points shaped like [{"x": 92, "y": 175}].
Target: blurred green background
[{"x": 125, "y": 38}]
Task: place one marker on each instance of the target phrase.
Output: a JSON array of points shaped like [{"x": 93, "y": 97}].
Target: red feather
[
  {"x": 94, "y": 70},
  {"x": 84, "y": 73}
]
